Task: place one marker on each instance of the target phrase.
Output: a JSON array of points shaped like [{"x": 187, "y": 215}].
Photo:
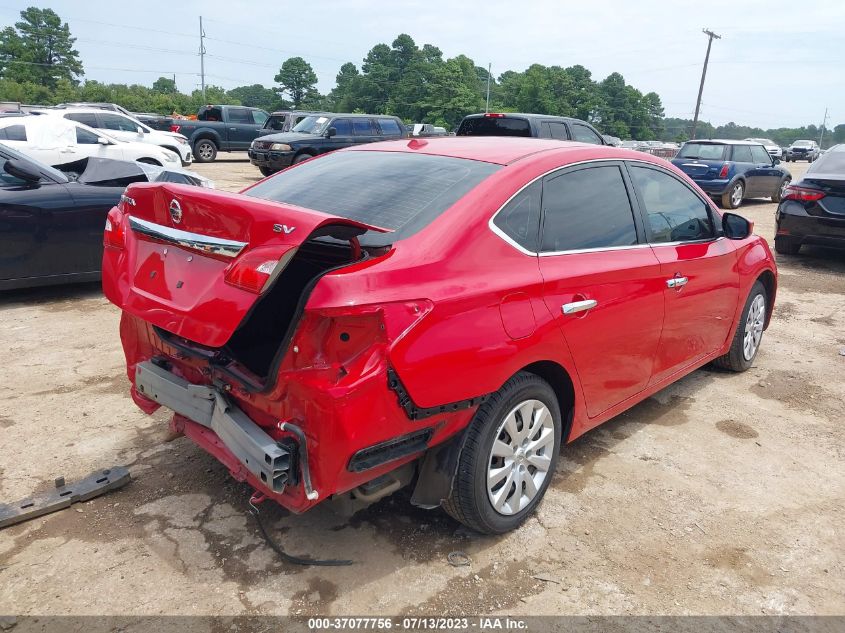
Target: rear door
[
  {"x": 699, "y": 277},
  {"x": 601, "y": 282}
]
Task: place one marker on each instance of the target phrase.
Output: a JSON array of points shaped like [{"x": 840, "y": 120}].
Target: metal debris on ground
[
  {"x": 94, "y": 485},
  {"x": 458, "y": 559}
]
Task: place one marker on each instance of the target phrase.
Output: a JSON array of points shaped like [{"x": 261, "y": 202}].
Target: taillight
[
  {"x": 256, "y": 269},
  {"x": 175, "y": 128},
  {"x": 114, "y": 233},
  {"x": 494, "y": 115},
  {"x": 723, "y": 173},
  {"x": 802, "y": 194}
]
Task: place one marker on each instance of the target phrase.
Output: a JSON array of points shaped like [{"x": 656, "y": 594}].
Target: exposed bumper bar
[
  {"x": 204, "y": 243},
  {"x": 256, "y": 450}
]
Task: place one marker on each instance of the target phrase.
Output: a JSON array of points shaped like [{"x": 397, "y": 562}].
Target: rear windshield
[
  {"x": 704, "y": 151},
  {"x": 831, "y": 162},
  {"x": 494, "y": 126},
  {"x": 392, "y": 190}
]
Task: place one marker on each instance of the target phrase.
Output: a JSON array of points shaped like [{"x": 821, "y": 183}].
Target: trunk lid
[{"x": 182, "y": 241}]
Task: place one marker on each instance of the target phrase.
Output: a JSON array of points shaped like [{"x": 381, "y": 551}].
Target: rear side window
[
  {"x": 741, "y": 154},
  {"x": 363, "y": 127},
  {"x": 588, "y": 208},
  {"x": 831, "y": 162},
  {"x": 210, "y": 114},
  {"x": 13, "y": 133},
  {"x": 704, "y": 151},
  {"x": 397, "y": 191},
  {"x": 494, "y": 126},
  {"x": 555, "y": 130},
  {"x": 389, "y": 127},
  {"x": 584, "y": 134},
  {"x": 240, "y": 115},
  {"x": 675, "y": 214},
  {"x": 519, "y": 219},
  {"x": 86, "y": 118}
]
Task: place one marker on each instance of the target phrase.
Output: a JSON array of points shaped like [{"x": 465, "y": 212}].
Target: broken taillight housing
[
  {"x": 255, "y": 270},
  {"x": 114, "y": 235}
]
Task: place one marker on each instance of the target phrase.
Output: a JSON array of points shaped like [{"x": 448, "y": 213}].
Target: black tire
[
  {"x": 469, "y": 501},
  {"x": 728, "y": 197},
  {"x": 149, "y": 161},
  {"x": 205, "y": 151},
  {"x": 787, "y": 245},
  {"x": 266, "y": 171},
  {"x": 300, "y": 157},
  {"x": 735, "y": 359},
  {"x": 778, "y": 195}
]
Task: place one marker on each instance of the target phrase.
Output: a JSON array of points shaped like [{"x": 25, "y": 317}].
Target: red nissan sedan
[{"x": 442, "y": 313}]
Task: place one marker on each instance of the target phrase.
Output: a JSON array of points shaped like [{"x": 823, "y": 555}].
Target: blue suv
[{"x": 731, "y": 171}]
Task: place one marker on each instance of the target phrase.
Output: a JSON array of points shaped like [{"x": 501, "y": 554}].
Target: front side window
[
  {"x": 703, "y": 151},
  {"x": 585, "y": 135},
  {"x": 275, "y": 123},
  {"x": 342, "y": 127},
  {"x": 84, "y": 137},
  {"x": 519, "y": 219},
  {"x": 742, "y": 154},
  {"x": 259, "y": 117},
  {"x": 585, "y": 209},
  {"x": 675, "y": 213},
  {"x": 760, "y": 155}
]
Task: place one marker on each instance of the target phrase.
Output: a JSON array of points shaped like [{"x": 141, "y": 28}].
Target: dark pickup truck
[{"x": 221, "y": 128}]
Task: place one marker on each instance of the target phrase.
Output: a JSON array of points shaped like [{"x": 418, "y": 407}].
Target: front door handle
[
  {"x": 579, "y": 306},
  {"x": 676, "y": 282}
]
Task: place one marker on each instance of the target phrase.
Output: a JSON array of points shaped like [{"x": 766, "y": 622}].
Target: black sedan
[
  {"x": 813, "y": 209},
  {"x": 51, "y": 222}
]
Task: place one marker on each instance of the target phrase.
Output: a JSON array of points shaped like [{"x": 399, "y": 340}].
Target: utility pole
[
  {"x": 710, "y": 35},
  {"x": 821, "y": 132},
  {"x": 487, "y": 107},
  {"x": 202, "y": 60}
]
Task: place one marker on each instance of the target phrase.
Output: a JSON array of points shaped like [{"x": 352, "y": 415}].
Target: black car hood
[{"x": 288, "y": 137}]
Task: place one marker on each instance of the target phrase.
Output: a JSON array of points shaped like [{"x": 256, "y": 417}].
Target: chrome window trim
[
  {"x": 506, "y": 238},
  {"x": 196, "y": 241}
]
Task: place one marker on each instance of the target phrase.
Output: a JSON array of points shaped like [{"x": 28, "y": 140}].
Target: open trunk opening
[{"x": 262, "y": 336}]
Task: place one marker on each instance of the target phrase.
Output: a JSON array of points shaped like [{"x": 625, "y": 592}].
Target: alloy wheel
[
  {"x": 754, "y": 327},
  {"x": 736, "y": 195},
  {"x": 520, "y": 457}
]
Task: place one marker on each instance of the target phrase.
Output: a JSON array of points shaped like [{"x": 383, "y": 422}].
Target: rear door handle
[
  {"x": 676, "y": 282},
  {"x": 579, "y": 306}
]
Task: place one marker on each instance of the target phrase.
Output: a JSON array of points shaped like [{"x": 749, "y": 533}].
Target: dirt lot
[{"x": 723, "y": 494}]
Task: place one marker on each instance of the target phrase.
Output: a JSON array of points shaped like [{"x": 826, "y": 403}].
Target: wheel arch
[
  {"x": 561, "y": 383},
  {"x": 767, "y": 278}
]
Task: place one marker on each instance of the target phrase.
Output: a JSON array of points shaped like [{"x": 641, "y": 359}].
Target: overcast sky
[{"x": 777, "y": 64}]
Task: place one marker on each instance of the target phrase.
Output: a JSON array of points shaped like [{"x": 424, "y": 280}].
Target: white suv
[{"x": 126, "y": 128}]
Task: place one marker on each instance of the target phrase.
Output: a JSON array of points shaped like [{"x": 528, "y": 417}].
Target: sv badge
[{"x": 283, "y": 228}]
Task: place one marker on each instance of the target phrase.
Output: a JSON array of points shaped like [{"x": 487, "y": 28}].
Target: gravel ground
[{"x": 722, "y": 494}]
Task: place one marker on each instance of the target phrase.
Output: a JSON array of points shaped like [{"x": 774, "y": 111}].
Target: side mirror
[
  {"x": 141, "y": 131},
  {"x": 776, "y": 161},
  {"x": 736, "y": 227},
  {"x": 21, "y": 170},
  {"x": 331, "y": 132},
  {"x": 102, "y": 140}
]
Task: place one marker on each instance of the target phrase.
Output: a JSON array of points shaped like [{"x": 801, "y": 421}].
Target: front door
[
  {"x": 699, "y": 273},
  {"x": 601, "y": 282}
]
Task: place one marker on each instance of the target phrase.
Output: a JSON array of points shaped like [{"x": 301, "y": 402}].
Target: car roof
[
  {"x": 500, "y": 150},
  {"x": 718, "y": 141},
  {"x": 280, "y": 112},
  {"x": 526, "y": 115}
]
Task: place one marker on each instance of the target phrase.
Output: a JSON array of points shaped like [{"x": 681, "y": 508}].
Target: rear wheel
[
  {"x": 205, "y": 151},
  {"x": 787, "y": 245},
  {"x": 509, "y": 456},
  {"x": 732, "y": 198},
  {"x": 749, "y": 332},
  {"x": 781, "y": 192}
]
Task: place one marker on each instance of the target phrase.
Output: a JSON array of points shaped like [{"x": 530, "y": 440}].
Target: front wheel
[
  {"x": 266, "y": 171},
  {"x": 509, "y": 456},
  {"x": 205, "y": 151},
  {"x": 732, "y": 198},
  {"x": 749, "y": 332}
]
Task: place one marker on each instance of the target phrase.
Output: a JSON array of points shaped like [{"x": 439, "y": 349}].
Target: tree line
[{"x": 38, "y": 65}]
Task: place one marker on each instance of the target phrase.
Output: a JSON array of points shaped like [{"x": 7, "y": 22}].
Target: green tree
[
  {"x": 165, "y": 86},
  {"x": 257, "y": 96},
  {"x": 39, "y": 50},
  {"x": 342, "y": 96},
  {"x": 298, "y": 80}
]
